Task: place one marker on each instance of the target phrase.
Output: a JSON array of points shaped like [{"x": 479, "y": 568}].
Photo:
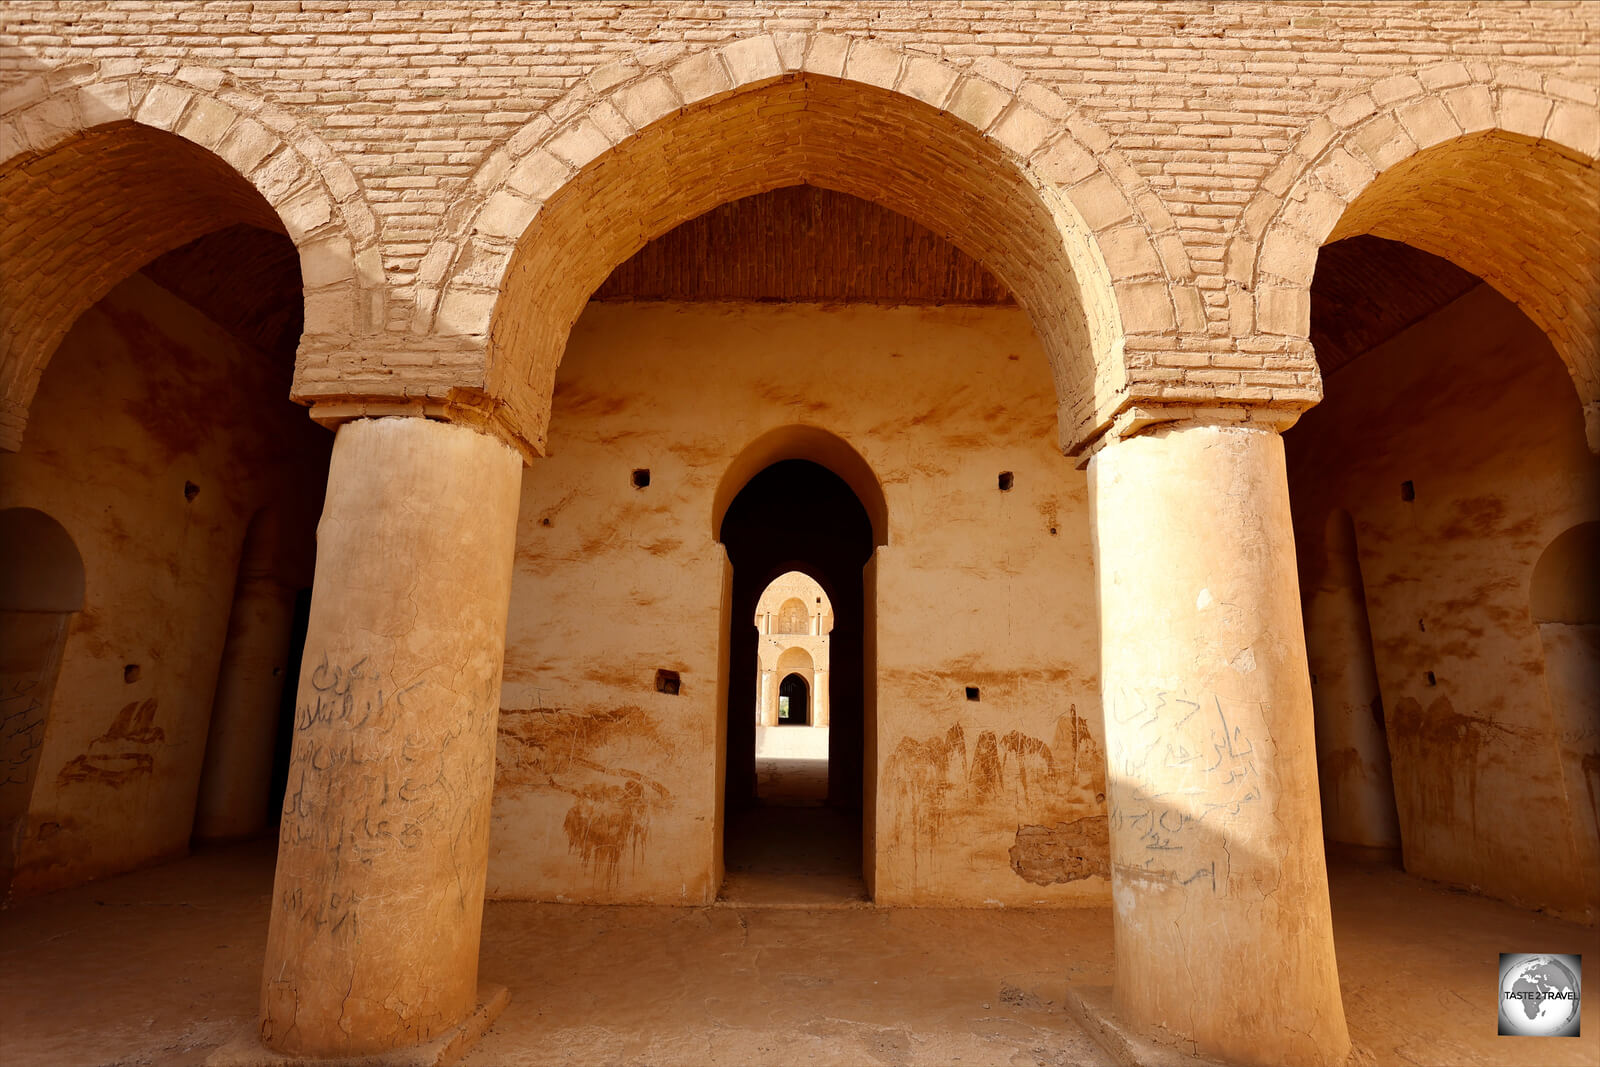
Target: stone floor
[{"x": 161, "y": 966}]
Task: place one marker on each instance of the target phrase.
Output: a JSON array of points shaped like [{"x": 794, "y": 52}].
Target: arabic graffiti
[{"x": 1183, "y": 772}]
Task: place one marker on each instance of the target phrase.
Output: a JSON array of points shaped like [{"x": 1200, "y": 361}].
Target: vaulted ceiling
[
  {"x": 243, "y": 278},
  {"x": 1367, "y": 290},
  {"x": 803, "y": 244}
]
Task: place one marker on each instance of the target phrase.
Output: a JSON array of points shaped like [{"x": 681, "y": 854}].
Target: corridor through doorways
[
  {"x": 794, "y": 789},
  {"x": 794, "y": 621}
]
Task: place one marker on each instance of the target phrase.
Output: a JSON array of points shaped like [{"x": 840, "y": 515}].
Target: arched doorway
[
  {"x": 148, "y": 387},
  {"x": 794, "y": 701},
  {"x": 41, "y": 588},
  {"x": 1418, "y": 531},
  {"x": 768, "y": 843}
]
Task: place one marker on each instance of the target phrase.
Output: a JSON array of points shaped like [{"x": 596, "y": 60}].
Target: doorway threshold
[{"x": 780, "y": 856}]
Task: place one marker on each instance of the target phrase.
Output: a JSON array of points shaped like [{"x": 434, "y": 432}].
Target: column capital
[
  {"x": 445, "y": 379},
  {"x": 1257, "y": 379},
  {"x": 1136, "y": 420},
  {"x": 480, "y": 414}
]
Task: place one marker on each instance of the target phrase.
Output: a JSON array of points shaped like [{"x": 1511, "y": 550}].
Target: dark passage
[
  {"x": 794, "y": 702},
  {"x": 810, "y": 850}
]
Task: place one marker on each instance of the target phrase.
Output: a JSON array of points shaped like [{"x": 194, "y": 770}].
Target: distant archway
[
  {"x": 794, "y": 701},
  {"x": 793, "y": 618}
]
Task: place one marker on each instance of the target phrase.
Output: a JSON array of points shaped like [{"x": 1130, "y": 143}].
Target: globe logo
[{"x": 1539, "y": 995}]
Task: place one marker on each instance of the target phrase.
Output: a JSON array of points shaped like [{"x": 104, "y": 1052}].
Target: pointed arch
[
  {"x": 104, "y": 169},
  {"x": 1494, "y": 170},
  {"x": 1004, "y": 169}
]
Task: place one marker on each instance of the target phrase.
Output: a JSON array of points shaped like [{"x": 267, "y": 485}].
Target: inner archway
[
  {"x": 771, "y": 846},
  {"x": 150, "y": 358},
  {"x": 794, "y": 701},
  {"x": 1418, "y": 535}
]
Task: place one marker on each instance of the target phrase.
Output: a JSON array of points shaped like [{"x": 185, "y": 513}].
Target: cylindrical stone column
[
  {"x": 236, "y": 783},
  {"x": 378, "y": 902},
  {"x": 1220, "y": 892},
  {"x": 1353, "y": 769}
]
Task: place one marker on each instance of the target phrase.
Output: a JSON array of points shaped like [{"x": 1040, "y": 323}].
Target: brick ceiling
[
  {"x": 803, "y": 244},
  {"x": 243, "y": 278},
  {"x": 1367, "y": 290}
]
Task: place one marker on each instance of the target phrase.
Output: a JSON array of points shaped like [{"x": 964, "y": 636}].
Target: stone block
[
  {"x": 647, "y": 101},
  {"x": 1100, "y": 202},
  {"x": 163, "y": 105},
  {"x": 699, "y": 77},
  {"x": 752, "y": 59},
  {"x": 978, "y": 103}
]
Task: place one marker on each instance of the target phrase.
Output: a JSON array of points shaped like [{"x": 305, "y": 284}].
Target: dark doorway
[
  {"x": 770, "y": 847},
  {"x": 794, "y": 699}
]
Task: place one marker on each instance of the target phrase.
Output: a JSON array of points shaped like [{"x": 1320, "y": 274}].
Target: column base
[
  {"x": 1091, "y": 1007},
  {"x": 247, "y": 1050}
]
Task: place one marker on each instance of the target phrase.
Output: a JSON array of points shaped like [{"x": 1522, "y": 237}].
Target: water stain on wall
[
  {"x": 1436, "y": 756},
  {"x": 586, "y": 756},
  {"x": 1054, "y": 792},
  {"x": 117, "y": 756}
]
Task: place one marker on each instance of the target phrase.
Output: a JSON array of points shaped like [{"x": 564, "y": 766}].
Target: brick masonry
[{"x": 1151, "y": 180}]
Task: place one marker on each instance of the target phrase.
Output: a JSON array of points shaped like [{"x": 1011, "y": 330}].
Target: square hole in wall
[
  {"x": 667, "y": 682},
  {"x": 1007, "y": 480},
  {"x": 972, "y": 692},
  {"x": 1408, "y": 491},
  {"x": 641, "y": 478}
]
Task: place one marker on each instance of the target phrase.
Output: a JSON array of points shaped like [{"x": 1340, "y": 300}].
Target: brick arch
[
  {"x": 1002, "y": 168},
  {"x": 102, "y": 174},
  {"x": 1494, "y": 171}
]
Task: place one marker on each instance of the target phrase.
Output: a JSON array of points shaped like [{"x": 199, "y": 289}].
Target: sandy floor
[
  {"x": 162, "y": 965},
  {"x": 792, "y": 782}
]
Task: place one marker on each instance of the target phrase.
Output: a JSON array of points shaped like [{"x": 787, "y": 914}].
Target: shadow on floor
[
  {"x": 793, "y": 852},
  {"x": 792, "y": 783}
]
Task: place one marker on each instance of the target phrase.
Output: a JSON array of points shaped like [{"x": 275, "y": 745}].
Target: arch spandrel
[
  {"x": 1494, "y": 171},
  {"x": 1001, "y": 171},
  {"x": 182, "y": 155}
]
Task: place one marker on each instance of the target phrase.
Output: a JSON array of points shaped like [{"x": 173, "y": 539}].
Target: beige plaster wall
[
  {"x": 144, "y": 396},
  {"x": 607, "y": 790},
  {"x": 1473, "y": 408}
]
